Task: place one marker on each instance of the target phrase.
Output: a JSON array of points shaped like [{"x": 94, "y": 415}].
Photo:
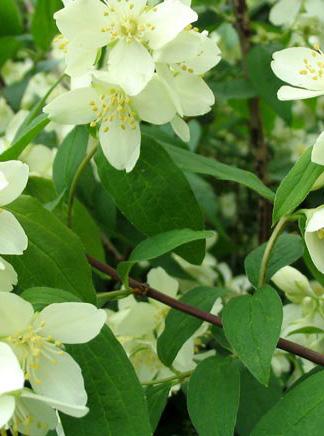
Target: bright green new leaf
[{"x": 296, "y": 185}]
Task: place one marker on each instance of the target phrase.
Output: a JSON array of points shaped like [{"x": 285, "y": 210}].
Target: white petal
[
  {"x": 138, "y": 321},
  {"x": 315, "y": 219},
  {"x": 7, "y": 408},
  {"x": 8, "y": 276},
  {"x": 11, "y": 376},
  {"x": 208, "y": 57},
  {"x": 131, "y": 66},
  {"x": 83, "y": 20},
  {"x": 159, "y": 279},
  {"x": 184, "y": 46},
  {"x": 195, "y": 96},
  {"x": 315, "y": 246},
  {"x": 181, "y": 128},
  {"x": 293, "y": 283},
  {"x": 298, "y": 67},
  {"x": 13, "y": 239},
  {"x": 72, "y": 323},
  {"x": 73, "y": 107},
  {"x": 15, "y": 314},
  {"x": 68, "y": 409},
  {"x": 290, "y": 93},
  {"x": 16, "y": 175},
  {"x": 168, "y": 18},
  {"x": 79, "y": 59},
  {"x": 120, "y": 146},
  {"x": 284, "y": 12},
  {"x": 60, "y": 379},
  {"x": 318, "y": 150},
  {"x": 43, "y": 417},
  {"x": 153, "y": 104}
]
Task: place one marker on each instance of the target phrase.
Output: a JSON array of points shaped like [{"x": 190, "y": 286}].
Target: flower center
[
  {"x": 314, "y": 66},
  {"x": 114, "y": 107},
  {"x": 30, "y": 345},
  {"x": 320, "y": 233}
]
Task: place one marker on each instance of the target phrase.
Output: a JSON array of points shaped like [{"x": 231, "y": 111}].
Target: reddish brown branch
[{"x": 144, "y": 289}]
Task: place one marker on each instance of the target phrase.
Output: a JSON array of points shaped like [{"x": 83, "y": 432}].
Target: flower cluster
[
  {"x": 131, "y": 62},
  {"x": 37, "y": 376}
]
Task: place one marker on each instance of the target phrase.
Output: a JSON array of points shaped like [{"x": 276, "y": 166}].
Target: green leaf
[
  {"x": 10, "y": 18},
  {"x": 195, "y": 163},
  {"x": 255, "y": 401},
  {"x": 155, "y": 197},
  {"x": 88, "y": 231},
  {"x": 55, "y": 256},
  {"x": 69, "y": 156},
  {"x": 213, "y": 396},
  {"x": 116, "y": 399},
  {"x": 296, "y": 185},
  {"x": 179, "y": 326},
  {"x": 25, "y": 138},
  {"x": 252, "y": 326},
  {"x": 41, "y": 297},
  {"x": 43, "y": 25},
  {"x": 233, "y": 89},
  {"x": 9, "y": 46},
  {"x": 258, "y": 62},
  {"x": 300, "y": 412},
  {"x": 158, "y": 245},
  {"x": 287, "y": 249},
  {"x": 156, "y": 397}
]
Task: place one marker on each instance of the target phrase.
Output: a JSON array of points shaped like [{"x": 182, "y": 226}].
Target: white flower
[
  {"x": 314, "y": 236},
  {"x": 190, "y": 52},
  {"x": 318, "y": 150},
  {"x": 284, "y": 12},
  {"x": 13, "y": 72},
  {"x": 37, "y": 338},
  {"x": 133, "y": 30},
  {"x": 190, "y": 95},
  {"x": 13, "y": 179},
  {"x": 293, "y": 283},
  {"x": 8, "y": 276},
  {"x": 39, "y": 159},
  {"x": 118, "y": 114},
  {"x": 6, "y": 115},
  {"x": 303, "y": 68}
]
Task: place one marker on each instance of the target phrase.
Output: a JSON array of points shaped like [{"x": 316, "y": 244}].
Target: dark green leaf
[
  {"x": 300, "y": 412},
  {"x": 287, "y": 249},
  {"x": 69, "y": 156},
  {"x": 158, "y": 245},
  {"x": 55, "y": 256},
  {"x": 255, "y": 401},
  {"x": 252, "y": 326},
  {"x": 156, "y": 397},
  {"x": 195, "y": 163},
  {"x": 9, "y": 46},
  {"x": 155, "y": 197},
  {"x": 116, "y": 400},
  {"x": 43, "y": 25},
  {"x": 179, "y": 326},
  {"x": 10, "y": 18},
  {"x": 213, "y": 396},
  {"x": 41, "y": 297}
]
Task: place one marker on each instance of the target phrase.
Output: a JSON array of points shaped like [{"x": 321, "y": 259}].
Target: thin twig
[{"x": 143, "y": 289}]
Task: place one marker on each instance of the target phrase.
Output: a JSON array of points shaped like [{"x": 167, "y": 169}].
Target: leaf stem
[
  {"x": 75, "y": 181},
  {"x": 113, "y": 295},
  {"x": 177, "y": 377},
  {"x": 267, "y": 252}
]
